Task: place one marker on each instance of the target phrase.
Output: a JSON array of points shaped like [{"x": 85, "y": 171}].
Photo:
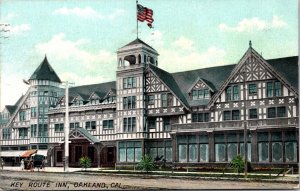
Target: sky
[{"x": 81, "y": 37}]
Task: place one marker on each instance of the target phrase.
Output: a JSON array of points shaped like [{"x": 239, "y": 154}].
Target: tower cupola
[{"x": 136, "y": 53}]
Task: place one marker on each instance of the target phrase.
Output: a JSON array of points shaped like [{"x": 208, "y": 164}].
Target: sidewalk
[
  {"x": 288, "y": 178},
  {"x": 47, "y": 169}
]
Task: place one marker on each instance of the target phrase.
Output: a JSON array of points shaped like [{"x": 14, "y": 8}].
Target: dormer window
[{"x": 200, "y": 94}]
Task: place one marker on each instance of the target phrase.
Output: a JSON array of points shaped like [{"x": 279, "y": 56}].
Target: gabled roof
[
  {"x": 86, "y": 91},
  {"x": 169, "y": 81},
  {"x": 11, "y": 108},
  {"x": 84, "y": 133},
  {"x": 206, "y": 83},
  {"x": 138, "y": 41},
  {"x": 288, "y": 67},
  {"x": 45, "y": 72}
]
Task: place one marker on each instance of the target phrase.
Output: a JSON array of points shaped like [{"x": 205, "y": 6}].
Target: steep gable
[
  {"x": 167, "y": 82},
  {"x": 251, "y": 67}
]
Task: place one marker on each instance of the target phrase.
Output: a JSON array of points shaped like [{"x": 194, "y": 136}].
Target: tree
[
  {"x": 147, "y": 164},
  {"x": 238, "y": 163},
  {"x": 85, "y": 162}
]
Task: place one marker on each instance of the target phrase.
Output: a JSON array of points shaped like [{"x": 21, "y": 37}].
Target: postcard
[{"x": 149, "y": 94}]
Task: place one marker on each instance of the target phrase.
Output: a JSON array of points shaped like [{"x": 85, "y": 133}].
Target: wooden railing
[{"x": 268, "y": 123}]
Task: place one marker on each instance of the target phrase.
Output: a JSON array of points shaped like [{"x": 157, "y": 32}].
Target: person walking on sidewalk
[
  {"x": 22, "y": 164},
  {"x": 2, "y": 163}
]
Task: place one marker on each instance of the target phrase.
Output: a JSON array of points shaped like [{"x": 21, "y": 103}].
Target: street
[{"x": 24, "y": 180}]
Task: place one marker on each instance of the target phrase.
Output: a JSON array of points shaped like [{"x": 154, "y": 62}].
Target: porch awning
[
  {"x": 11, "y": 153},
  {"x": 28, "y": 153},
  {"x": 80, "y": 133}
]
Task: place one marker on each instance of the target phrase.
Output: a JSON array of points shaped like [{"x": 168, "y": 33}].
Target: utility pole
[{"x": 66, "y": 126}]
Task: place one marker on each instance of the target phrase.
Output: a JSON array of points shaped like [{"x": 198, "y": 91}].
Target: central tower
[{"x": 130, "y": 86}]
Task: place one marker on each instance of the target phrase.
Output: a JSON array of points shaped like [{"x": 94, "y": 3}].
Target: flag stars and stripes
[{"x": 145, "y": 14}]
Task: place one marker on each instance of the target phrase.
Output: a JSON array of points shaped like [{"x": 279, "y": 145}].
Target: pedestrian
[
  {"x": 44, "y": 164},
  {"x": 2, "y": 163},
  {"x": 22, "y": 164},
  {"x": 31, "y": 165}
]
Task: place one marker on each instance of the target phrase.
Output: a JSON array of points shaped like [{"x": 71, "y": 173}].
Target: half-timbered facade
[{"x": 190, "y": 118}]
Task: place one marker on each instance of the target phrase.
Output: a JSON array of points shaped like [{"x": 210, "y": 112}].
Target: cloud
[
  {"x": 184, "y": 43},
  {"x": 155, "y": 39},
  {"x": 19, "y": 29},
  {"x": 62, "y": 49},
  {"x": 7, "y": 18},
  {"x": 13, "y": 84},
  {"x": 254, "y": 24},
  {"x": 187, "y": 57},
  {"x": 86, "y": 12},
  {"x": 117, "y": 13}
]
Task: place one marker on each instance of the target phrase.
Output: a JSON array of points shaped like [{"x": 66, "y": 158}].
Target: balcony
[{"x": 231, "y": 125}]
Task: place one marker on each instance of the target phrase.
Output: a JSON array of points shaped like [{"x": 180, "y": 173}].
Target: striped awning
[{"x": 28, "y": 153}]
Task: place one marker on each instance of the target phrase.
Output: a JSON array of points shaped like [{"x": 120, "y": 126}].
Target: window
[
  {"x": 166, "y": 100},
  {"x": 231, "y": 115},
  {"x": 290, "y": 146},
  {"x": 166, "y": 124},
  {"x": 109, "y": 99},
  {"x": 281, "y": 112},
  {"x": 271, "y": 112},
  {"x": 232, "y": 93},
  {"x": 130, "y": 151},
  {"x": 6, "y": 133},
  {"x": 22, "y": 115},
  {"x": 33, "y": 130},
  {"x": 33, "y": 112},
  {"x": 159, "y": 149},
  {"x": 129, "y": 124},
  {"x": 252, "y": 89},
  {"x": 274, "y": 112},
  {"x": 23, "y": 133},
  {"x": 252, "y": 113},
  {"x": 129, "y": 82},
  {"x": 129, "y": 102},
  {"x": 273, "y": 89},
  {"x": 227, "y": 115},
  {"x": 151, "y": 123},
  {"x": 90, "y": 125},
  {"x": 59, "y": 127},
  {"x": 200, "y": 94},
  {"x": 108, "y": 124},
  {"x": 200, "y": 117},
  {"x": 74, "y": 125},
  {"x": 150, "y": 99},
  {"x": 235, "y": 114},
  {"x": 43, "y": 130},
  {"x": 192, "y": 148},
  {"x": 263, "y": 147}
]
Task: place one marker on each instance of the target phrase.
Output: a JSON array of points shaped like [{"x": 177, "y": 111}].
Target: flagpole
[{"x": 137, "y": 22}]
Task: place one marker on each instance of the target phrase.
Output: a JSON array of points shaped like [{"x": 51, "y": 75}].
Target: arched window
[
  {"x": 120, "y": 62},
  {"x": 139, "y": 59},
  {"x": 145, "y": 59},
  {"x": 129, "y": 60}
]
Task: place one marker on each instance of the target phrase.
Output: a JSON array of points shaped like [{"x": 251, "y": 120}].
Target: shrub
[
  {"x": 85, "y": 162},
  {"x": 238, "y": 163},
  {"x": 147, "y": 164}
]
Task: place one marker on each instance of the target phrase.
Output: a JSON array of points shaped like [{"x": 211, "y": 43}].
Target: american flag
[{"x": 144, "y": 14}]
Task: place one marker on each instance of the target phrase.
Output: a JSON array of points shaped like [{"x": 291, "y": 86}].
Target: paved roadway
[{"x": 24, "y": 180}]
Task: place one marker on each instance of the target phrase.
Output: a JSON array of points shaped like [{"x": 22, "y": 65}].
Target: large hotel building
[{"x": 190, "y": 118}]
